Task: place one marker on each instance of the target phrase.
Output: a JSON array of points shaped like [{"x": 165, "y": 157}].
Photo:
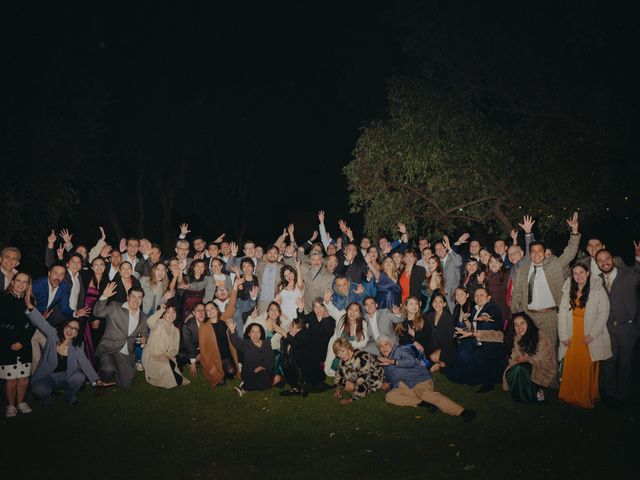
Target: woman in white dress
[{"x": 291, "y": 288}]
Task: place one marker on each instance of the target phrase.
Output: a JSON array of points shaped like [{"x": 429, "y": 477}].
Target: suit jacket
[
  {"x": 59, "y": 306},
  {"x": 76, "y": 361},
  {"x": 451, "y": 276},
  {"x": 418, "y": 275},
  {"x": 315, "y": 284},
  {"x": 82, "y": 289},
  {"x": 553, "y": 268},
  {"x": 385, "y": 321},
  {"x": 116, "y": 333},
  {"x": 595, "y": 321},
  {"x": 260, "y": 270},
  {"x": 356, "y": 270},
  {"x": 190, "y": 344},
  {"x": 624, "y": 297}
]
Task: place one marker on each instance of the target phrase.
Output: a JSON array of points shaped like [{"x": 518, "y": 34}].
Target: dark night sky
[
  {"x": 284, "y": 84},
  {"x": 273, "y": 92}
]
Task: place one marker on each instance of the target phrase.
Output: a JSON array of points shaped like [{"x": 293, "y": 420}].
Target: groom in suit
[
  {"x": 381, "y": 322},
  {"x": 116, "y": 351},
  {"x": 623, "y": 287}
]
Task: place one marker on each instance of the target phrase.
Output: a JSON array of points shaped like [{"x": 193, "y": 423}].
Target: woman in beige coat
[
  {"x": 159, "y": 355},
  {"x": 584, "y": 339}
]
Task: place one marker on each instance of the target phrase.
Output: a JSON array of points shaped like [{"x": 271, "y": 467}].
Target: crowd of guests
[{"x": 389, "y": 316}]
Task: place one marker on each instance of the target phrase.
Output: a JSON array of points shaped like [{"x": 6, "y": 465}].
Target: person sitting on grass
[
  {"x": 411, "y": 383},
  {"x": 159, "y": 356},
  {"x": 64, "y": 364},
  {"x": 258, "y": 358},
  {"x": 533, "y": 363},
  {"x": 358, "y": 372}
]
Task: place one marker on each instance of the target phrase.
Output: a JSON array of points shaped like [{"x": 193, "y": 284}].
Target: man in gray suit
[
  {"x": 381, "y": 322},
  {"x": 116, "y": 351},
  {"x": 623, "y": 286},
  {"x": 451, "y": 263}
]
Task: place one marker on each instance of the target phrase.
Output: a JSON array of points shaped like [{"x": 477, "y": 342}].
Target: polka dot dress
[{"x": 19, "y": 370}]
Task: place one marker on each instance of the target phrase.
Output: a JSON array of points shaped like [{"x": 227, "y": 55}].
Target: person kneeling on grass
[
  {"x": 258, "y": 358},
  {"x": 411, "y": 382},
  {"x": 358, "y": 372},
  {"x": 64, "y": 364}
]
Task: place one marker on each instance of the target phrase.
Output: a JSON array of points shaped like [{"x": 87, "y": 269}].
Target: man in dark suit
[
  {"x": 352, "y": 263},
  {"x": 623, "y": 287},
  {"x": 9, "y": 260},
  {"x": 124, "y": 322},
  {"x": 189, "y": 343}
]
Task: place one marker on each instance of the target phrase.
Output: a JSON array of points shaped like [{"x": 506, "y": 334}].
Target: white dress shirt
[
  {"x": 373, "y": 323},
  {"x": 52, "y": 294},
  {"x": 75, "y": 291},
  {"x": 133, "y": 324},
  {"x": 542, "y": 297}
]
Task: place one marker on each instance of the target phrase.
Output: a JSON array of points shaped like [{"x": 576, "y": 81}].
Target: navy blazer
[
  {"x": 60, "y": 300},
  {"x": 494, "y": 312}
]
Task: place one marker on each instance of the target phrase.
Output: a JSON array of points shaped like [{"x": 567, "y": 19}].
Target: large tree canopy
[{"x": 498, "y": 118}]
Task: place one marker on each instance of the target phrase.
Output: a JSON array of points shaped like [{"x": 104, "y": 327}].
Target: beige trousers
[
  {"x": 37, "y": 344},
  {"x": 404, "y": 396}
]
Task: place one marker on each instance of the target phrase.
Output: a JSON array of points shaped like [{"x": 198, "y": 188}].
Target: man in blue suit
[{"x": 52, "y": 301}]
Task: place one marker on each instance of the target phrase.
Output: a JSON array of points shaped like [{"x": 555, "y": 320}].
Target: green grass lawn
[{"x": 194, "y": 432}]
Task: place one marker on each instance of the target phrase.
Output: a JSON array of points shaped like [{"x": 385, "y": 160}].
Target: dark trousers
[
  {"x": 43, "y": 388},
  {"x": 118, "y": 365},
  {"x": 617, "y": 369}
]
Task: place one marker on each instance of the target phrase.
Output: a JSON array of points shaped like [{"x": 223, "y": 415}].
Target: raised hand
[
  {"x": 359, "y": 289},
  {"x": 103, "y": 236},
  {"x": 110, "y": 290},
  {"x": 349, "y": 233},
  {"x": 51, "y": 239},
  {"x": 66, "y": 236},
  {"x": 183, "y": 285},
  {"x": 254, "y": 312},
  {"x": 328, "y": 296},
  {"x": 402, "y": 228},
  {"x": 395, "y": 309},
  {"x": 234, "y": 249},
  {"x": 574, "y": 223},
  {"x": 321, "y": 216},
  {"x": 231, "y": 325},
  {"x": 60, "y": 252},
  {"x": 290, "y": 229},
  {"x": 636, "y": 246},
  {"x": 463, "y": 239},
  {"x": 123, "y": 244},
  {"x": 254, "y": 291},
  {"x": 314, "y": 236},
  {"x": 342, "y": 225},
  {"x": 514, "y": 236},
  {"x": 169, "y": 295},
  {"x": 446, "y": 243},
  {"x": 481, "y": 277},
  {"x": 527, "y": 224},
  {"x": 184, "y": 229},
  {"x": 220, "y": 238},
  {"x": 82, "y": 312},
  {"x": 28, "y": 298},
  {"x": 198, "y": 256}
]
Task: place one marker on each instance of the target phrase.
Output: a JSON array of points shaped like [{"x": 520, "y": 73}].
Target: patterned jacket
[{"x": 363, "y": 371}]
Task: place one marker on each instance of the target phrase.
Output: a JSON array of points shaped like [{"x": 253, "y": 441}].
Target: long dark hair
[
  {"x": 79, "y": 338},
  {"x": 574, "y": 301},
  {"x": 283, "y": 281},
  {"x": 529, "y": 342},
  {"x": 359, "y": 322}
]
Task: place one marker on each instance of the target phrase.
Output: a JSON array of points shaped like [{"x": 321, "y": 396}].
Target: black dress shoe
[
  {"x": 429, "y": 406},
  {"x": 485, "y": 388},
  {"x": 467, "y": 415},
  {"x": 289, "y": 393}
]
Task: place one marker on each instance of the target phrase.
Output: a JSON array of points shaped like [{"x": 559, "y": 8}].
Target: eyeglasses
[{"x": 69, "y": 327}]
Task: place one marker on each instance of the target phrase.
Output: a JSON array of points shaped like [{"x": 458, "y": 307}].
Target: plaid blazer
[{"x": 554, "y": 270}]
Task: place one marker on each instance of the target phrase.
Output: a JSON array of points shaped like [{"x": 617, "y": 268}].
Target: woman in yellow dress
[{"x": 584, "y": 339}]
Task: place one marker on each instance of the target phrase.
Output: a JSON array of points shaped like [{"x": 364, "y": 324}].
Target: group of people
[{"x": 389, "y": 316}]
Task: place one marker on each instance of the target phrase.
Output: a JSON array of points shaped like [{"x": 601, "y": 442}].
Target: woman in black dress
[
  {"x": 442, "y": 348},
  {"x": 15, "y": 343}
]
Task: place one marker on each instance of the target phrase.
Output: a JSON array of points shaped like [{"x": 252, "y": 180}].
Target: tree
[{"x": 438, "y": 163}]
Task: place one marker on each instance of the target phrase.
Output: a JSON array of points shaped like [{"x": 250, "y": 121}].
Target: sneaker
[
  {"x": 239, "y": 391},
  {"x": 540, "y": 395},
  {"x": 24, "y": 407},
  {"x": 468, "y": 415},
  {"x": 11, "y": 411},
  {"x": 289, "y": 393},
  {"x": 139, "y": 367}
]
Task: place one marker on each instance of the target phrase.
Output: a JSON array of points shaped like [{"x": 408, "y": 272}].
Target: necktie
[
  {"x": 532, "y": 281},
  {"x": 509, "y": 291},
  {"x": 607, "y": 281}
]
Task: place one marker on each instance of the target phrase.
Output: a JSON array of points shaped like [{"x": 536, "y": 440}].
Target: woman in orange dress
[{"x": 584, "y": 339}]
